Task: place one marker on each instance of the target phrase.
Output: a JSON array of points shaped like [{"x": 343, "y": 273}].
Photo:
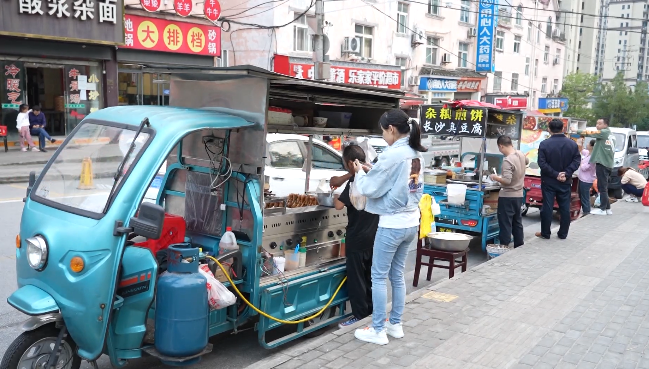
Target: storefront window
[
  {"x": 83, "y": 93},
  {"x": 139, "y": 88}
]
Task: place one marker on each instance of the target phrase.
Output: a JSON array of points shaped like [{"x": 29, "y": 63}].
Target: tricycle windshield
[{"x": 82, "y": 173}]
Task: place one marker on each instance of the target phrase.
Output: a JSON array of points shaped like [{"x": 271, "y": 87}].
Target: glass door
[
  {"x": 130, "y": 87},
  {"x": 161, "y": 81}
]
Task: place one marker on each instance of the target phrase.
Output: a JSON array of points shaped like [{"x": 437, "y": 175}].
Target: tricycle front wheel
[
  {"x": 524, "y": 208},
  {"x": 33, "y": 349}
]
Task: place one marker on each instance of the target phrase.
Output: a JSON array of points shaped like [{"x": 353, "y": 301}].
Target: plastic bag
[
  {"x": 356, "y": 198},
  {"x": 370, "y": 153},
  {"x": 597, "y": 202},
  {"x": 435, "y": 208},
  {"x": 217, "y": 295}
]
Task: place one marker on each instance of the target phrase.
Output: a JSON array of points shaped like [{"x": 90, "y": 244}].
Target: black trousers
[
  {"x": 603, "y": 174},
  {"x": 359, "y": 282},
  {"x": 561, "y": 192},
  {"x": 510, "y": 220}
]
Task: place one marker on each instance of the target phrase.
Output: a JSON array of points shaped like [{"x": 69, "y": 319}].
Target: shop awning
[{"x": 412, "y": 100}]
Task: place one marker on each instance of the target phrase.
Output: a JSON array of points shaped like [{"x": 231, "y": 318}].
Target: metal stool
[{"x": 436, "y": 255}]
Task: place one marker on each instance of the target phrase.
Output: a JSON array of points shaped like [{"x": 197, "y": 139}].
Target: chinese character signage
[
  {"x": 13, "y": 84},
  {"x": 467, "y": 122},
  {"x": 183, "y": 7},
  {"x": 150, "y": 5},
  {"x": 486, "y": 28},
  {"x": 212, "y": 10},
  {"x": 501, "y": 124},
  {"x": 351, "y": 75},
  {"x": 170, "y": 36},
  {"x": 91, "y": 21},
  {"x": 553, "y": 105},
  {"x": 437, "y": 84},
  {"x": 510, "y": 102}
]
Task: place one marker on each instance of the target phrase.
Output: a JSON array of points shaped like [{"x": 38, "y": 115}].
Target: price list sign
[
  {"x": 504, "y": 125},
  {"x": 465, "y": 122}
]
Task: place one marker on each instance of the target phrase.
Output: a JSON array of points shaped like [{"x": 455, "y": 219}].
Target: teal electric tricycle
[{"x": 92, "y": 249}]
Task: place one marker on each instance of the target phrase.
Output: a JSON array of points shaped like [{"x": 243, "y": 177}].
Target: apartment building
[
  {"x": 583, "y": 25},
  {"x": 530, "y": 52},
  {"x": 626, "y": 41}
]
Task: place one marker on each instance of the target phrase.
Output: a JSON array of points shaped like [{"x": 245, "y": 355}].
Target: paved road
[{"x": 231, "y": 351}]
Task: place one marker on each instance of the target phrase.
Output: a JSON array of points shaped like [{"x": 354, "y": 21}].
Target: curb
[{"x": 286, "y": 355}]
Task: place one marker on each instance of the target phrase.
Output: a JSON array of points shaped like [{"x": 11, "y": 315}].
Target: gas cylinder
[{"x": 181, "y": 308}]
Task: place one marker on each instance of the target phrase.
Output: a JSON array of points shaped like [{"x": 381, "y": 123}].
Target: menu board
[
  {"x": 535, "y": 130},
  {"x": 501, "y": 124},
  {"x": 446, "y": 121}
]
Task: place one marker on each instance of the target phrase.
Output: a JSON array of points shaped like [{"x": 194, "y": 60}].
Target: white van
[{"x": 643, "y": 145}]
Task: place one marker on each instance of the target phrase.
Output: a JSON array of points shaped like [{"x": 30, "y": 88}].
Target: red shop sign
[
  {"x": 469, "y": 84},
  {"x": 183, "y": 7},
  {"x": 511, "y": 102},
  {"x": 170, "y": 36},
  {"x": 212, "y": 9},
  {"x": 150, "y": 5},
  {"x": 351, "y": 75}
]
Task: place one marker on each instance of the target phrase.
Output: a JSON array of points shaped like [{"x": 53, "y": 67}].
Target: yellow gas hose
[{"x": 227, "y": 275}]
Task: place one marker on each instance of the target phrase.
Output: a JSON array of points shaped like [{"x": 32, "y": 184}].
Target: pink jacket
[{"x": 586, "y": 169}]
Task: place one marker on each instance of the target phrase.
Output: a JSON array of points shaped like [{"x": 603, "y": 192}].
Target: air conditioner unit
[
  {"x": 555, "y": 61},
  {"x": 417, "y": 38},
  {"x": 472, "y": 32},
  {"x": 352, "y": 45},
  {"x": 413, "y": 81},
  {"x": 556, "y": 32},
  {"x": 446, "y": 58}
]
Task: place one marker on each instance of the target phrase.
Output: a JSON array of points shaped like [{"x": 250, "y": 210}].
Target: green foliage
[
  {"x": 623, "y": 105},
  {"x": 579, "y": 88}
]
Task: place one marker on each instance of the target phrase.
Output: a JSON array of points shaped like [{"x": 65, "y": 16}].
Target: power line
[{"x": 260, "y": 26}]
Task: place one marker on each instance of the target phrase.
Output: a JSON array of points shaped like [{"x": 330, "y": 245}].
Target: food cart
[
  {"x": 213, "y": 139},
  {"x": 535, "y": 130},
  {"x": 478, "y": 125}
]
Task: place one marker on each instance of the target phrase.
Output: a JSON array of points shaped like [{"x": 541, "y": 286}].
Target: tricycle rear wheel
[
  {"x": 327, "y": 314},
  {"x": 32, "y": 350},
  {"x": 524, "y": 208}
]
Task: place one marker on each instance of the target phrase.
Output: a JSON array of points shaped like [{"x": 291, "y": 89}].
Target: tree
[
  {"x": 578, "y": 88},
  {"x": 622, "y": 104}
]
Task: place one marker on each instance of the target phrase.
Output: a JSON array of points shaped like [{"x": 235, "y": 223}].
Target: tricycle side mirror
[
  {"x": 32, "y": 180},
  {"x": 149, "y": 220}
]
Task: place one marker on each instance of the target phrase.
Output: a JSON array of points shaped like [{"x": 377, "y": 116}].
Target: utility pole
[{"x": 321, "y": 72}]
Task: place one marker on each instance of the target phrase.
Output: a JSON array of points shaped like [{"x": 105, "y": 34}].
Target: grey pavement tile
[
  {"x": 551, "y": 358},
  {"x": 543, "y": 365},
  {"x": 592, "y": 357},
  {"x": 339, "y": 363},
  {"x": 618, "y": 348},
  {"x": 291, "y": 364},
  {"x": 333, "y": 355},
  {"x": 586, "y": 365},
  {"x": 559, "y": 350},
  {"x": 539, "y": 350},
  {"x": 530, "y": 359},
  {"x": 572, "y": 358},
  {"x": 578, "y": 349},
  {"x": 315, "y": 364}
]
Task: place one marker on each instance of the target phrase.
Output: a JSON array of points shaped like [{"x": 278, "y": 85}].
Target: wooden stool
[{"x": 433, "y": 255}]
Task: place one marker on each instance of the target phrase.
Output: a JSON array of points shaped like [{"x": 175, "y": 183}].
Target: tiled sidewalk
[{"x": 576, "y": 303}]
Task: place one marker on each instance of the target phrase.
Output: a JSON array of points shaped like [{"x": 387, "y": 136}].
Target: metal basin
[
  {"x": 445, "y": 241},
  {"x": 325, "y": 199}
]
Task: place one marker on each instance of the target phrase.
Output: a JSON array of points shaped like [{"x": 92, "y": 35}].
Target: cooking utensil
[
  {"x": 445, "y": 241},
  {"x": 326, "y": 199}
]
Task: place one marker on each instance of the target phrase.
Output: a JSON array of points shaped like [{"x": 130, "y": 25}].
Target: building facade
[
  {"x": 626, "y": 41},
  {"x": 584, "y": 27}
]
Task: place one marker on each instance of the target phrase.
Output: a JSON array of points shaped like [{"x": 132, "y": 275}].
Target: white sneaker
[
  {"x": 368, "y": 334},
  {"x": 35, "y": 148},
  {"x": 394, "y": 330},
  {"x": 631, "y": 199},
  {"x": 609, "y": 212},
  {"x": 598, "y": 212},
  {"x": 23, "y": 149}
]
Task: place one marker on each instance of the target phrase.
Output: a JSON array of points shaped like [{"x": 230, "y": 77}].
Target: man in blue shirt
[
  {"x": 37, "y": 125},
  {"x": 559, "y": 158}
]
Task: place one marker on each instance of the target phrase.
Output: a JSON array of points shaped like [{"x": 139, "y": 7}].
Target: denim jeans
[
  {"x": 389, "y": 261},
  {"x": 584, "y": 196},
  {"x": 632, "y": 190},
  {"x": 42, "y": 136}
]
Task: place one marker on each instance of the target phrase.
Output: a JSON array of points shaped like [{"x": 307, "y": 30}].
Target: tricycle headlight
[
  {"x": 618, "y": 162},
  {"x": 36, "y": 252}
]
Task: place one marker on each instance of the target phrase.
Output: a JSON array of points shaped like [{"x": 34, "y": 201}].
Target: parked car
[
  {"x": 285, "y": 158},
  {"x": 643, "y": 145}
]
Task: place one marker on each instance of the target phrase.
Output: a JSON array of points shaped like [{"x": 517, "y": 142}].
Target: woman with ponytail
[{"x": 393, "y": 188}]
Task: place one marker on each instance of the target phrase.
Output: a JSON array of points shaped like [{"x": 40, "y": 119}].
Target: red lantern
[
  {"x": 183, "y": 7},
  {"x": 212, "y": 9},
  {"x": 150, "y": 5}
]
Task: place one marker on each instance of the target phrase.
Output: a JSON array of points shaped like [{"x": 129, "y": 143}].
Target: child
[
  {"x": 587, "y": 176},
  {"x": 359, "y": 241},
  {"x": 633, "y": 183},
  {"x": 22, "y": 123}
]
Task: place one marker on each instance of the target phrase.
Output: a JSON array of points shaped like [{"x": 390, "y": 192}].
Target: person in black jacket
[{"x": 559, "y": 158}]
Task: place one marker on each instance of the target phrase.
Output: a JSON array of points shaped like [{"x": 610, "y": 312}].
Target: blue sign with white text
[
  {"x": 437, "y": 84},
  {"x": 487, "y": 15},
  {"x": 553, "y": 103}
]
